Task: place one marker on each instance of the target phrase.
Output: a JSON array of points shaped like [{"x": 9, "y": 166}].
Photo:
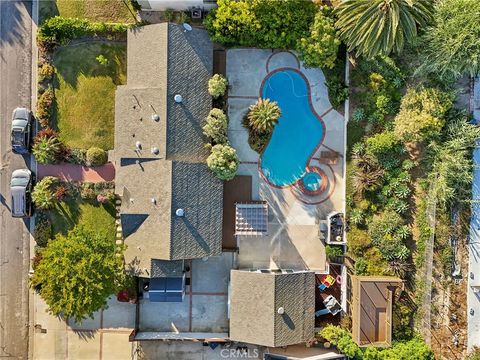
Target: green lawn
[
  {"x": 69, "y": 213},
  {"x": 85, "y": 93},
  {"x": 96, "y": 10}
]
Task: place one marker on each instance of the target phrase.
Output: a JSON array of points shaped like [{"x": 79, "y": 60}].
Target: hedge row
[{"x": 59, "y": 30}]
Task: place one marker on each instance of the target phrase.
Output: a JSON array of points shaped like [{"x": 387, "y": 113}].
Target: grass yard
[
  {"x": 96, "y": 10},
  {"x": 69, "y": 213},
  {"x": 85, "y": 93}
]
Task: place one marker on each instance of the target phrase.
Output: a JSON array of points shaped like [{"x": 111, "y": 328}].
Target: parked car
[
  {"x": 21, "y": 130},
  {"x": 21, "y": 186}
]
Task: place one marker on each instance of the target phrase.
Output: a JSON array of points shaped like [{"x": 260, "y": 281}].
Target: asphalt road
[{"x": 15, "y": 90}]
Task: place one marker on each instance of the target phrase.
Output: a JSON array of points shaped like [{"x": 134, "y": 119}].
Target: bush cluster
[
  {"x": 46, "y": 72},
  {"x": 216, "y": 126},
  {"x": 223, "y": 161},
  {"x": 96, "y": 156},
  {"x": 45, "y": 105},
  {"x": 217, "y": 86},
  {"x": 59, "y": 30},
  {"x": 43, "y": 229}
]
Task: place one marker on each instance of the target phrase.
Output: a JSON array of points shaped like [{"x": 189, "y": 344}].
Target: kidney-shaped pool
[{"x": 298, "y": 132}]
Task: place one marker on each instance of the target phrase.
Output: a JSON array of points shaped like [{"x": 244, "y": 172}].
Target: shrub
[
  {"x": 358, "y": 241},
  {"x": 102, "y": 60},
  {"x": 182, "y": 17},
  {"x": 217, "y": 86},
  {"x": 333, "y": 251},
  {"x": 360, "y": 267},
  {"x": 263, "y": 115},
  {"x": 321, "y": 47},
  {"x": 168, "y": 15},
  {"x": 421, "y": 115},
  {"x": 42, "y": 195},
  {"x": 96, "y": 156},
  {"x": 44, "y": 106},
  {"x": 47, "y": 150},
  {"x": 342, "y": 339},
  {"x": 59, "y": 30},
  {"x": 43, "y": 229},
  {"x": 337, "y": 91},
  {"x": 78, "y": 156},
  {"x": 382, "y": 143},
  {"x": 216, "y": 126},
  {"x": 260, "y": 23},
  {"x": 87, "y": 193},
  {"x": 358, "y": 115},
  {"x": 46, "y": 72},
  {"x": 223, "y": 161}
]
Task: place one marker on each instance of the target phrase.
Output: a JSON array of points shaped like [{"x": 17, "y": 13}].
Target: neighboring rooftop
[
  {"x": 159, "y": 152},
  {"x": 272, "y": 309},
  {"x": 372, "y": 299}
]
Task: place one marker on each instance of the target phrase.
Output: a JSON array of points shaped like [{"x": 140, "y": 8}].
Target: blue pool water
[
  {"x": 312, "y": 181},
  {"x": 297, "y": 133}
]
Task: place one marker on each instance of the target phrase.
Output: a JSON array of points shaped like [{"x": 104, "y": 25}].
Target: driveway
[{"x": 15, "y": 90}]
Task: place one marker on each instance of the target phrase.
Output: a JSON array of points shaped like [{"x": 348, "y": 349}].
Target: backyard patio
[{"x": 293, "y": 239}]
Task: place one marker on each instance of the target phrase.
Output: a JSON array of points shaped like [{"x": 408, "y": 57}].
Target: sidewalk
[
  {"x": 72, "y": 172},
  {"x": 473, "y": 299}
]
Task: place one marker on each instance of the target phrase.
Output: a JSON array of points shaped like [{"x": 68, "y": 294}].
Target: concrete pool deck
[{"x": 293, "y": 240}]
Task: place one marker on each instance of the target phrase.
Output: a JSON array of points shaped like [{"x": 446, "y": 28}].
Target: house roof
[
  {"x": 167, "y": 268},
  {"x": 159, "y": 151},
  {"x": 256, "y": 298},
  {"x": 372, "y": 299}
]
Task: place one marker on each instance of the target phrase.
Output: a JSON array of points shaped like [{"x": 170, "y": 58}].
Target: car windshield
[
  {"x": 19, "y": 181},
  {"x": 17, "y": 137}
]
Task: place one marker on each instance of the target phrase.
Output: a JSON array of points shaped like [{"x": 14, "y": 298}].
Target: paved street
[{"x": 15, "y": 90}]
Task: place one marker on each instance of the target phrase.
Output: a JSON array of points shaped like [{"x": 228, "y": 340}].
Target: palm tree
[
  {"x": 46, "y": 150},
  {"x": 368, "y": 173},
  {"x": 378, "y": 27},
  {"x": 263, "y": 115}
]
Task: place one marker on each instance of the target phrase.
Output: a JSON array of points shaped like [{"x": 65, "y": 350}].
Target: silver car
[
  {"x": 21, "y": 130},
  {"x": 21, "y": 186}
]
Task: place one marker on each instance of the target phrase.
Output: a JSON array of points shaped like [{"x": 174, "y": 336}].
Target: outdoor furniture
[
  {"x": 331, "y": 307},
  {"x": 328, "y": 157},
  {"x": 326, "y": 282}
]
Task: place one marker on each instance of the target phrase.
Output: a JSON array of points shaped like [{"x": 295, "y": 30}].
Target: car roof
[{"x": 18, "y": 200}]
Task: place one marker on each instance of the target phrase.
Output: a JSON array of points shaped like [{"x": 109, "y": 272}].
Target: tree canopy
[
  {"x": 378, "y": 27},
  {"x": 78, "y": 272},
  {"x": 452, "y": 44}
]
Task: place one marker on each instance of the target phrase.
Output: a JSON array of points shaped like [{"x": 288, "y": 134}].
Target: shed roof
[
  {"x": 256, "y": 298},
  {"x": 372, "y": 299},
  {"x": 160, "y": 159}
]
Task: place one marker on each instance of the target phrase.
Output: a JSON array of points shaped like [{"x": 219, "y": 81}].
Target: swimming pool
[{"x": 298, "y": 131}]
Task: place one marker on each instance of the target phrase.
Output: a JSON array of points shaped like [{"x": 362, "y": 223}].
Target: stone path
[{"x": 72, "y": 172}]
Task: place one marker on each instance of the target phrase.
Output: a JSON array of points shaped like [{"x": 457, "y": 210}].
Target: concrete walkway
[
  {"x": 473, "y": 299},
  {"x": 72, "y": 172}
]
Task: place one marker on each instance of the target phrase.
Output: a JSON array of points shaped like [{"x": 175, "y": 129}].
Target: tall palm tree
[
  {"x": 263, "y": 115},
  {"x": 378, "y": 27}
]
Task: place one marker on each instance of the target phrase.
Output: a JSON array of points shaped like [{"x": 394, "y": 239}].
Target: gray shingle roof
[
  {"x": 164, "y": 60},
  {"x": 166, "y": 268},
  {"x": 256, "y": 298}
]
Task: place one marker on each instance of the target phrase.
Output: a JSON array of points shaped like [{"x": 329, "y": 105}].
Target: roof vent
[
  {"x": 187, "y": 27},
  {"x": 281, "y": 310},
  {"x": 138, "y": 145},
  {"x": 178, "y": 98},
  {"x": 154, "y": 201},
  {"x": 155, "y": 117},
  {"x": 155, "y": 150},
  {"x": 180, "y": 212}
]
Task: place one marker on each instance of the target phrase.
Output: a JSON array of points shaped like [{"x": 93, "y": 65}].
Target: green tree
[
  {"x": 78, "y": 272},
  {"x": 421, "y": 115},
  {"x": 474, "y": 354},
  {"x": 223, "y": 161},
  {"x": 216, "y": 126},
  {"x": 217, "y": 86},
  {"x": 46, "y": 150},
  {"x": 321, "y": 47},
  {"x": 378, "y": 27},
  {"x": 452, "y": 44},
  {"x": 263, "y": 115},
  {"x": 43, "y": 195},
  {"x": 382, "y": 144}
]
